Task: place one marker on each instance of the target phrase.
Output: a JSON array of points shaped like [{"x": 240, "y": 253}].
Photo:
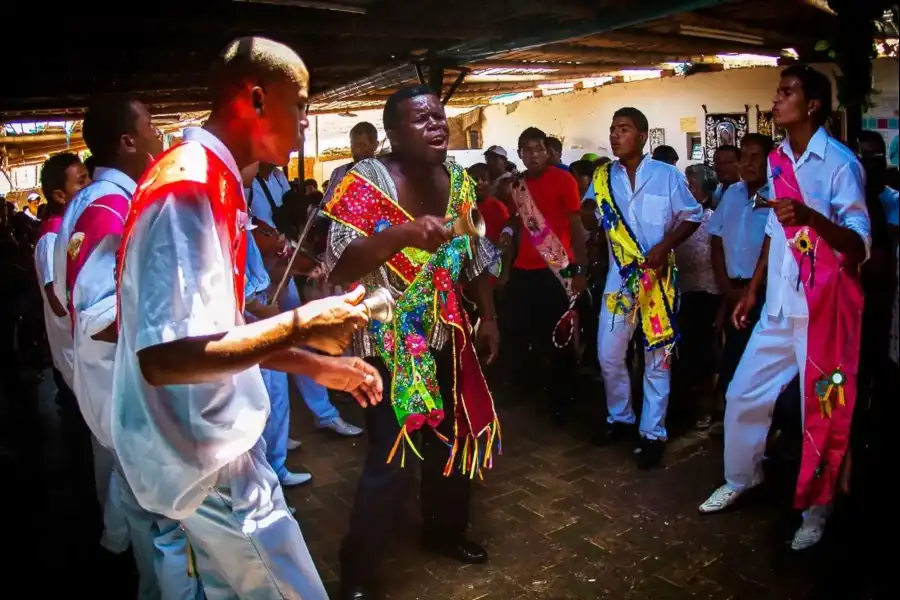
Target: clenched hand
[{"x": 328, "y": 324}]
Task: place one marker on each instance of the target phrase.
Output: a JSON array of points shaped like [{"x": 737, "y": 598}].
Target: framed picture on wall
[
  {"x": 657, "y": 138},
  {"x": 723, "y": 129}
]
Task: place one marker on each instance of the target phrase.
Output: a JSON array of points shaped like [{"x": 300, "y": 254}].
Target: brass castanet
[
  {"x": 380, "y": 305},
  {"x": 471, "y": 223}
]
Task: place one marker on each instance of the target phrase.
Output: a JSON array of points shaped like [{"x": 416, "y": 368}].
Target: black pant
[
  {"x": 380, "y": 497},
  {"x": 534, "y": 300},
  {"x": 736, "y": 342}
]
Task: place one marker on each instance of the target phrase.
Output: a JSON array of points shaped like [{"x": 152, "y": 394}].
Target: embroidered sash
[
  {"x": 189, "y": 170},
  {"x": 653, "y": 296},
  {"x": 835, "y": 301},
  {"x": 102, "y": 217},
  {"x": 432, "y": 296},
  {"x": 542, "y": 237}
]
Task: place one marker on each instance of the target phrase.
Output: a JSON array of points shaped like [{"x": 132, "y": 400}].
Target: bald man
[{"x": 190, "y": 403}]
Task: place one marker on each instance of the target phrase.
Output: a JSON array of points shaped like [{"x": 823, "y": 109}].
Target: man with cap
[{"x": 496, "y": 159}]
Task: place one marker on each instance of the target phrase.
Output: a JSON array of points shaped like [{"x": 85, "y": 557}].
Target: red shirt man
[{"x": 556, "y": 194}]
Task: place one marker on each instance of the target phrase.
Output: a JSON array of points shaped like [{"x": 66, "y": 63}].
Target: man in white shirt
[
  {"x": 815, "y": 242},
  {"x": 660, "y": 212},
  {"x": 738, "y": 228},
  {"x": 62, "y": 176},
  {"x": 363, "y": 144},
  {"x": 121, "y": 136},
  {"x": 190, "y": 404},
  {"x": 263, "y": 206}
]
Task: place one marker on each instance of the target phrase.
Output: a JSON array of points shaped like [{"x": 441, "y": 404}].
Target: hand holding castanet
[{"x": 328, "y": 324}]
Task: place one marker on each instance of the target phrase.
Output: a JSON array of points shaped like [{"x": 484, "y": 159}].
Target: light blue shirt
[
  {"x": 659, "y": 202},
  {"x": 742, "y": 229},
  {"x": 890, "y": 199},
  {"x": 256, "y": 197},
  {"x": 256, "y": 278},
  {"x": 832, "y": 183}
]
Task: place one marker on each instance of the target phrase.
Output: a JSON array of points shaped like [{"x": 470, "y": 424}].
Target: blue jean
[
  {"x": 276, "y": 432},
  {"x": 315, "y": 395},
  {"x": 246, "y": 542}
]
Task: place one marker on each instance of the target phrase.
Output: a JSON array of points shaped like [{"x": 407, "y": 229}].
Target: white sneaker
[
  {"x": 720, "y": 499},
  {"x": 292, "y": 479},
  {"x": 342, "y": 427},
  {"x": 809, "y": 534},
  {"x": 293, "y": 444}
]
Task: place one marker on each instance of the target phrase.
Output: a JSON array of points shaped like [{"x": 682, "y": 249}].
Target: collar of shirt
[
  {"x": 818, "y": 146},
  {"x": 214, "y": 145},
  {"x": 116, "y": 177}
]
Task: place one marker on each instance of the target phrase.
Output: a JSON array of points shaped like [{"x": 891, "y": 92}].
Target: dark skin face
[
  {"x": 482, "y": 183},
  {"x": 137, "y": 150},
  {"x": 535, "y": 156},
  {"x": 753, "y": 165},
  {"x": 790, "y": 106},
  {"x": 727, "y": 167},
  {"x": 281, "y": 119},
  {"x": 697, "y": 189},
  {"x": 625, "y": 140},
  {"x": 76, "y": 178},
  {"x": 362, "y": 147},
  {"x": 496, "y": 164},
  {"x": 423, "y": 132}
]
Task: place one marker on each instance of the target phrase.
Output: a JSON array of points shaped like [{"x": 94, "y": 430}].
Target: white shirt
[
  {"x": 93, "y": 301},
  {"x": 172, "y": 441},
  {"x": 742, "y": 229},
  {"x": 832, "y": 183},
  {"x": 259, "y": 205},
  {"x": 59, "y": 329},
  {"x": 659, "y": 202}
]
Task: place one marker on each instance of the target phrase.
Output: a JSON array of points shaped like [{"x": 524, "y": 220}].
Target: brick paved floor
[{"x": 562, "y": 519}]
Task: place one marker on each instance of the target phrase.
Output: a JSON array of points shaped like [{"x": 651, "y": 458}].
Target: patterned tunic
[{"x": 484, "y": 256}]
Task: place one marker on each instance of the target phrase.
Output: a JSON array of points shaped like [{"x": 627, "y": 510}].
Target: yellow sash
[{"x": 655, "y": 295}]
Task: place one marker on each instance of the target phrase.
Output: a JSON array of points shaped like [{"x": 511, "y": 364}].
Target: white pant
[
  {"x": 115, "y": 524},
  {"x": 613, "y": 336},
  {"x": 247, "y": 544},
  {"x": 770, "y": 362}
]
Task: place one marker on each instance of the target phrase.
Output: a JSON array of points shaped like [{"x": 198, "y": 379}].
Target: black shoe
[
  {"x": 613, "y": 432},
  {"x": 468, "y": 553},
  {"x": 356, "y": 592},
  {"x": 648, "y": 453}
]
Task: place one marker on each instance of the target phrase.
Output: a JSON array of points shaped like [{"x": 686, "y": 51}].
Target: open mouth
[{"x": 438, "y": 141}]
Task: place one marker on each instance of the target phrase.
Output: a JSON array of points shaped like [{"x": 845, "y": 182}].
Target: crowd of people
[{"x": 183, "y": 290}]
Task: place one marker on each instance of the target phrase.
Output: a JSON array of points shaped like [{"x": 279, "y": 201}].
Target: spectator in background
[
  {"x": 493, "y": 211},
  {"x": 695, "y": 365},
  {"x": 311, "y": 186},
  {"x": 583, "y": 172},
  {"x": 665, "y": 154},
  {"x": 554, "y": 152},
  {"x": 497, "y": 161},
  {"x": 363, "y": 145},
  {"x": 727, "y": 163}
]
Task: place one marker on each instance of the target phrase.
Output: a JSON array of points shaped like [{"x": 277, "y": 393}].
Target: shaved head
[
  {"x": 260, "y": 91},
  {"x": 255, "y": 61}
]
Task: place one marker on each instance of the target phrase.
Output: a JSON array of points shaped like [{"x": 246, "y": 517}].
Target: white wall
[{"x": 583, "y": 117}]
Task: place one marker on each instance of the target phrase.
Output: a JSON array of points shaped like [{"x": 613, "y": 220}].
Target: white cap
[
  {"x": 498, "y": 150},
  {"x": 33, "y": 196}
]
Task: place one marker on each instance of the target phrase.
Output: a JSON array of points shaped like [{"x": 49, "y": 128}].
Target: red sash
[
  {"x": 102, "y": 217},
  {"x": 835, "y": 301},
  {"x": 189, "y": 172}
]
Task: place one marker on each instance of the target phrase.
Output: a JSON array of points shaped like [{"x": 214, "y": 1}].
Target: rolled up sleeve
[
  {"x": 684, "y": 206},
  {"x": 849, "y": 202}
]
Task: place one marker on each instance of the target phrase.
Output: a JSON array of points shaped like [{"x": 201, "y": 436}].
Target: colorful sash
[
  {"x": 835, "y": 301},
  {"x": 189, "y": 171},
  {"x": 655, "y": 296},
  {"x": 432, "y": 296},
  {"x": 102, "y": 217}
]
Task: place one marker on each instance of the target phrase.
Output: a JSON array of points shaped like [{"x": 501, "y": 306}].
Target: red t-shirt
[
  {"x": 556, "y": 195},
  {"x": 495, "y": 216}
]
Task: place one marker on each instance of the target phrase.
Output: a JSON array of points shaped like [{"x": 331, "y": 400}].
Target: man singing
[
  {"x": 391, "y": 229},
  {"x": 818, "y": 233}
]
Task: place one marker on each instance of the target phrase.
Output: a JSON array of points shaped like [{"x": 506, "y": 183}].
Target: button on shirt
[
  {"x": 742, "y": 229},
  {"x": 259, "y": 205},
  {"x": 832, "y": 183},
  {"x": 659, "y": 202}
]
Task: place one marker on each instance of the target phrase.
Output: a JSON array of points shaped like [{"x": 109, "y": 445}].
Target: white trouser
[
  {"x": 770, "y": 362},
  {"x": 247, "y": 544},
  {"x": 613, "y": 336},
  {"x": 115, "y": 524}
]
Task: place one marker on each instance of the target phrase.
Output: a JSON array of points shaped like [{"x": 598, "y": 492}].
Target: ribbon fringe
[{"x": 475, "y": 457}]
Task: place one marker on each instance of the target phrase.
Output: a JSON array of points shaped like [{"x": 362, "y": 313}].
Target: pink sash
[
  {"x": 102, "y": 217},
  {"x": 50, "y": 225},
  {"x": 835, "y": 301}
]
